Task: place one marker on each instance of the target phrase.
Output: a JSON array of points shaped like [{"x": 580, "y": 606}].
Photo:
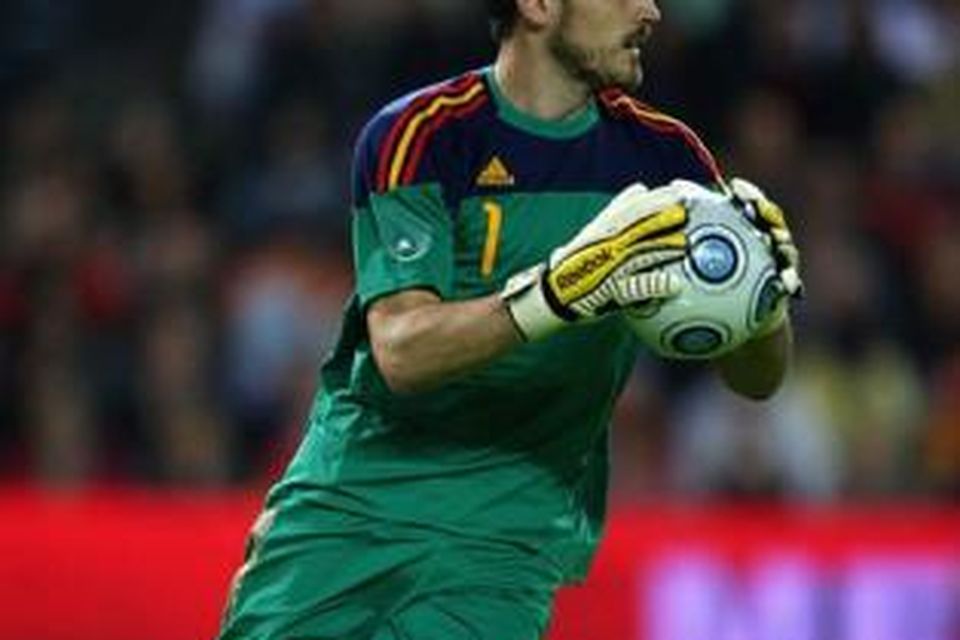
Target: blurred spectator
[
  {"x": 283, "y": 304},
  {"x": 941, "y": 437},
  {"x": 943, "y": 107},
  {"x": 58, "y": 415},
  {"x": 765, "y": 143},
  {"x": 908, "y": 211},
  {"x": 905, "y": 206},
  {"x": 185, "y": 435},
  {"x": 862, "y": 383},
  {"x": 294, "y": 185},
  {"x": 870, "y": 399},
  {"x": 844, "y": 80},
  {"x": 229, "y": 51},
  {"x": 939, "y": 309},
  {"x": 919, "y": 39},
  {"x": 39, "y": 132},
  {"x": 729, "y": 446},
  {"x": 47, "y": 225},
  {"x": 147, "y": 167}
]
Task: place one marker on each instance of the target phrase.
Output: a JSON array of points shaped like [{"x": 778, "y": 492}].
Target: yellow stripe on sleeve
[{"x": 411, "y": 130}]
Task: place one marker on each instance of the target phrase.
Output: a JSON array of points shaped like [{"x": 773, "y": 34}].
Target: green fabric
[
  {"x": 403, "y": 240},
  {"x": 479, "y": 498},
  {"x": 322, "y": 573},
  {"x": 570, "y": 127},
  {"x": 516, "y": 451},
  {"x": 533, "y": 225}
]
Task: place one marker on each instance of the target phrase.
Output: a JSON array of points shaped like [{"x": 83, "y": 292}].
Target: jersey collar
[{"x": 570, "y": 127}]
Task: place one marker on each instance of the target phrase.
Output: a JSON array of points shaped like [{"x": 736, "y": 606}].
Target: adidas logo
[{"x": 495, "y": 174}]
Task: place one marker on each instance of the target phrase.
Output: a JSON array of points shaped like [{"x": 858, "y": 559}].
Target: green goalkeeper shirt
[{"x": 454, "y": 190}]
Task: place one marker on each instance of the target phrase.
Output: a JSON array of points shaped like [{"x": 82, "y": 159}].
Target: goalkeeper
[{"x": 454, "y": 467}]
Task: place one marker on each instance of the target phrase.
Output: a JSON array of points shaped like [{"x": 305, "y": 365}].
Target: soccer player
[{"x": 453, "y": 471}]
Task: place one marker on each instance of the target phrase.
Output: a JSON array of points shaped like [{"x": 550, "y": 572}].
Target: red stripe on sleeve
[
  {"x": 387, "y": 150},
  {"x": 625, "y": 104},
  {"x": 413, "y": 163}
]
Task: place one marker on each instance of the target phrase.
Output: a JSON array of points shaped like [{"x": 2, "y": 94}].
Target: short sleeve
[
  {"x": 401, "y": 233},
  {"x": 402, "y": 240}
]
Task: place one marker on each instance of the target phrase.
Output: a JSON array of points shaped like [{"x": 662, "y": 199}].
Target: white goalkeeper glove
[
  {"x": 767, "y": 216},
  {"x": 614, "y": 262}
]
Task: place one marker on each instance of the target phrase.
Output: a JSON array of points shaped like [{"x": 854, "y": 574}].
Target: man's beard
[{"x": 586, "y": 65}]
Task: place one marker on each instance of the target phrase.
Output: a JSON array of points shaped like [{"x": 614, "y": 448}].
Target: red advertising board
[
  {"x": 116, "y": 565},
  {"x": 762, "y": 573}
]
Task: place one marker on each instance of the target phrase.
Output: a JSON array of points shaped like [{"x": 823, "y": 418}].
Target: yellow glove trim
[
  {"x": 578, "y": 274},
  {"x": 771, "y": 213}
]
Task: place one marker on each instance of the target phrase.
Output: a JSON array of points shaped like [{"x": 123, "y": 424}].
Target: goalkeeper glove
[
  {"x": 768, "y": 217},
  {"x": 615, "y": 261}
]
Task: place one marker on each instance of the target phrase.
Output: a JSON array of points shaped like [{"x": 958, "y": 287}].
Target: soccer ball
[{"x": 732, "y": 286}]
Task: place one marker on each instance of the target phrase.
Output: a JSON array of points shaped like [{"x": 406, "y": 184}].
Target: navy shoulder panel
[
  {"x": 395, "y": 147},
  {"x": 683, "y": 153}
]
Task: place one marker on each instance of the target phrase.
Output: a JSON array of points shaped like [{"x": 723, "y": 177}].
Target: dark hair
[{"x": 503, "y": 15}]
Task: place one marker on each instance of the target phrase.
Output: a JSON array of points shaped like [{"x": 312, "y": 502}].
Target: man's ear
[{"x": 539, "y": 14}]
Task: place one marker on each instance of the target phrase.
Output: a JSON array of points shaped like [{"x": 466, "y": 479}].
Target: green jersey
[{"x": 454, "y": 191}]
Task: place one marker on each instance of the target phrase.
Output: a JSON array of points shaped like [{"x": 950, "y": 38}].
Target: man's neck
[{"x": 534, "y": 83}]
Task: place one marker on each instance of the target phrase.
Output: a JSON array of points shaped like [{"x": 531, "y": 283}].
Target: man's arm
[
  {"x": 615, "y": 261},
  {"x": 757, "y": 368},
  {"x": 419, "y": 341}
]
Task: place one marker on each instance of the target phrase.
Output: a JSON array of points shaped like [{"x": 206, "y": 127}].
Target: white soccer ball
[{"x": 732, "y": 288}]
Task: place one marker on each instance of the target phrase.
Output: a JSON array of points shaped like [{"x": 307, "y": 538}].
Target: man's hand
[
  {"x": 615, "y": 261},
  {"x": 769, "y": 218}
]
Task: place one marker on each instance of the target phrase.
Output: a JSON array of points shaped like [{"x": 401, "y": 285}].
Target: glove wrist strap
[{"x": 526, "y": 301}]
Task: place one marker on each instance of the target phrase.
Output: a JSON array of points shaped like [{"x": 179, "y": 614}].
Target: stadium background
[{"x": 173, "y": 229}]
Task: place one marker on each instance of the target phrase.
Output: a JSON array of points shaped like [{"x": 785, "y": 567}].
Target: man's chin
[
  {"x": 615, "y": 74},
  {"x": 628, "y": 82},
  {"x": 627, "y": 76}
]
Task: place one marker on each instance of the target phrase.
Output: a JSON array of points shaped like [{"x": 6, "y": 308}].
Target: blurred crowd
[{"x": 174, "y": 252}]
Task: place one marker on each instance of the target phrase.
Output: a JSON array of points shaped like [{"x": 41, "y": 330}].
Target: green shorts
[{"x": 316, "y": 574}]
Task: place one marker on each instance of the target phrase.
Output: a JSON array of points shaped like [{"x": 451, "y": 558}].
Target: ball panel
[
  {"x": 769, "y": 293},
  {"x": 697, "y": 341},
  {"x": 714, "y": 259}
]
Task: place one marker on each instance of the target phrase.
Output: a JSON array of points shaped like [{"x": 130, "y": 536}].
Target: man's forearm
[
  {"x": 420, "y": 341},
  {"x": 757, "y": 369}
]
